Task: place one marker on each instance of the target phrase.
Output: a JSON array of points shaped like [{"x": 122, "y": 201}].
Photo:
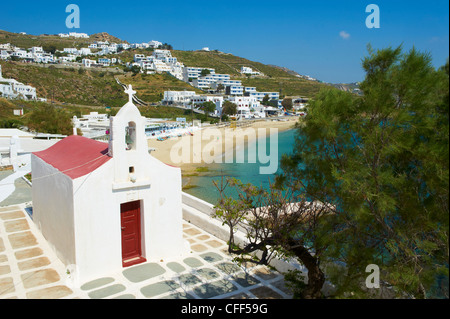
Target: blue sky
[{"x": 325, "y": 39}]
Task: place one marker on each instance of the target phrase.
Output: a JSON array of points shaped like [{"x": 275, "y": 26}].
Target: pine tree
[{"x": 381, "y": 160}]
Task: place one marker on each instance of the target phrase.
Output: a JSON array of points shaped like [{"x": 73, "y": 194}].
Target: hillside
[
  {"x": 104, "y": 36},
  {"x": 68, "y": 85},
  {"x": 46, "y": 40},
  {"x": 94, "y": 87},
  {"x": 151, "y": 87},
  {"x": 275, "y": 78}
]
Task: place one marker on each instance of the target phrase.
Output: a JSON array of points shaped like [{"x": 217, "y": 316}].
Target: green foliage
[
  {"x": 50, "y": 119},
  {"x": 91, "y": 88},
  {"x": 205, "y": 72},
  {"x": 295, "y": 282},
  {"x": 382, "y": 161},
  {"x": 208, "y": 107},
  {"x": 229, "y": 108},
  {"x": 287, "y": 104}
]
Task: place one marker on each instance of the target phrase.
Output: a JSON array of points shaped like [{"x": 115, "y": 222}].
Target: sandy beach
[{"x": 212, "y": 142}]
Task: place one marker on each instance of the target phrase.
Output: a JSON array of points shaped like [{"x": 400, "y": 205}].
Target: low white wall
[{"x": 199, "y": 213}]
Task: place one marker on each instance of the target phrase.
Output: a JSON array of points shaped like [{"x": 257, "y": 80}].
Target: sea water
[{"x": 245, "y": 172}]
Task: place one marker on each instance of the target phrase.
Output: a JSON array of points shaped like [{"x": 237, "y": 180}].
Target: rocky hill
[{"x": 104, "y": 36}]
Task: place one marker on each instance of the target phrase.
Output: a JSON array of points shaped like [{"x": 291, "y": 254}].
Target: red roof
[{"x": 76, "y": 156}]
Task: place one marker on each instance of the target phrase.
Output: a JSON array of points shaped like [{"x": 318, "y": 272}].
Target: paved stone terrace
[{"x": 29, "y": 269}]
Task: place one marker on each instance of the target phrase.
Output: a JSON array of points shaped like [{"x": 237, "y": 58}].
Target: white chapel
[{"x": 105, "y": 207}]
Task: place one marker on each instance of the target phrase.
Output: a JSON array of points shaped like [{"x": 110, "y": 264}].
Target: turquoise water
[{"x": 246, "y": 172}]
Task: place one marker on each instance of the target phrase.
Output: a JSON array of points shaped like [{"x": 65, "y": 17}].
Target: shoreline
[
  {"x": 212, "y": 145},
  {"x": 229, "y": 142}
]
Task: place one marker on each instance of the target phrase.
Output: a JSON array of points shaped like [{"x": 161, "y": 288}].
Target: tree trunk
[{"x": 316, "y": 277}]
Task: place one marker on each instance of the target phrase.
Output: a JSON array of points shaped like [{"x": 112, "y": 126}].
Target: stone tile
[
  {"x": 280, "y": 284},
  {"x": 97, "y": 283},
  {"x": 192, "y": 232},
  {"x": 12, "y": 215},
  {"x": 7, "y": 209},
  {"x": 33, "y": 263},
  {"x": 56, "y": 292},
  {"x": 193, "y": 262},
  {"x": 16, "y": 225},
  {"x": 214, "y": 243},
  {"x": 39, "y": 278},
  {"x": 28, "y": 253},
  {"x": 159, "y": 288},
  {"x": 3, "y": 258},
  {"x": 265, "y": 274},
  {"x": 189, "y": 280},
  {"x": 228, "y": 268},
  {"x": 208, "y": 273},
  {"x": 211, "y": 257},
  {"x": 199, "y": 248},
  {"x": 203, "y": 237},
  {"x": 240, "y": 295},
  {"x": 6, "y": 286},
  {"x": 143, "y": 272},
  {"x": 22, "y": 240},
  {"x": 176, "y": 267},
  {"x": 2, "y": 245},
  {"x": 214, "y": 289},
  {"x": 127, "y": 296},
  {"x": 5, "y": 269},
  {"x": 106, "y": 292},
  {"x": 245, "y": 280},
  {"x": 265, "y": 293},
  {"x": 179, "y": 295}
]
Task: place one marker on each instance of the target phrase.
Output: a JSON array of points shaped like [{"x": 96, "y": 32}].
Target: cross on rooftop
[{"x": 130, "y": 93}]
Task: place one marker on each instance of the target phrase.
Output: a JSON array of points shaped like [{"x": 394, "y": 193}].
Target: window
[{"x": 130, "y": 136}]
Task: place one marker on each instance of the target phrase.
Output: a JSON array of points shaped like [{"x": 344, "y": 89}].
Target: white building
[
  {"x": 161, "y": 54},
  {"x": 248, "y": 107},
  {"x": 155, "y": 44},
  {"x": 104, "y": 62},
  {"x": 88, "y": 63},
  {"x": 71, "y": 50},
  {"x": 21, "y": 54},
  {"x": 78, "y": 35},
  {"x": 216, "y": 99},
  {"x": 210, "y": 80},
  {"x": 234, "y": 90},
  {"x": 84, "y": 51},
  {"x": 69, "y": 58},
  {"x": 193, "y": 73},
  {"x": 160, "y": 66},
  {"x": 10, "y": 88},
  {"x": 178, "y": 97},
  {"x": 260, "y": 95},
  {"x": 4, "y": 55},
  {"x": 37, "y": 50},
  {"x": 111, "y": 206},
  {"x": 246, "y": 70}
]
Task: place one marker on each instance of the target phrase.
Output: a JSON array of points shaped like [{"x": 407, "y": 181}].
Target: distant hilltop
[
  {"x": 104, "y": 36},
  {"x": 306, "y": 77}
]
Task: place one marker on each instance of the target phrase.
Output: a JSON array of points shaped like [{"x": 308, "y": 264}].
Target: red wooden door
[{"x": 131, "y": 233}]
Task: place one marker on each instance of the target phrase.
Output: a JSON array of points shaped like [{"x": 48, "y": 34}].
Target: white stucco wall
[
  {"x": 98, "y": 220},
  {"x": 53, "y": 208}
]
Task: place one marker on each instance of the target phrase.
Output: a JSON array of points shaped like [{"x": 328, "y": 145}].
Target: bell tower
[{"x": 128, "y": 143}]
